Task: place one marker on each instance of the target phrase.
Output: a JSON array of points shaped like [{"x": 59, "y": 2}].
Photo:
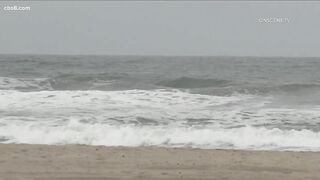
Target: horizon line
[{"x": 156, "y": 55}]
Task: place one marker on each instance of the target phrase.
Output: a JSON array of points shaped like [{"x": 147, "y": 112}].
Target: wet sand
[{"x": 77, "y": 162}]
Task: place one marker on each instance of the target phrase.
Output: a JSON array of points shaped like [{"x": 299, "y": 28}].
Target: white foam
[
  {"x": 248, "y": 137},
  {"x": 117, "y": 118},
  {"x": 161, "y": 105}
]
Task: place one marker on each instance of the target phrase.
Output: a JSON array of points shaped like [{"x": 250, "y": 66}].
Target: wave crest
[{"x": 187, "y": 82}]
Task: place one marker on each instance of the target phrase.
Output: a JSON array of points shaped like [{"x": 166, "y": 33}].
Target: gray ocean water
[{"x": 203, "y": 102}]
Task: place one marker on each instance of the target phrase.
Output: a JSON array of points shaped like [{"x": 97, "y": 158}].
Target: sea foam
[
  {"x": 162, "y": 117},
  {"x": 75, "y": 132}
]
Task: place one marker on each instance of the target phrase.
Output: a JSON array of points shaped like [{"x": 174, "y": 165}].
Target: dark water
[
  {"x": 127, "y": 100},
  {"x": 79, "y": 72}
]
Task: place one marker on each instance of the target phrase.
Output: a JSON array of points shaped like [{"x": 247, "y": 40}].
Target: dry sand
[{"x": 76, "y": 162}]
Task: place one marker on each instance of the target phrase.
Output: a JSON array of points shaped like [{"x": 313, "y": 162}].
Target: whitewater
[{"x": 199, "y": 102}]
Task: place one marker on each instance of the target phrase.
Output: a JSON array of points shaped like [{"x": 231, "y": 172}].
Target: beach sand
[{"x": 79, "y": 162}]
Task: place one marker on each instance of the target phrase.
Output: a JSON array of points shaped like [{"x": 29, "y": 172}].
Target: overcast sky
[{"x": 161, "y": 28}]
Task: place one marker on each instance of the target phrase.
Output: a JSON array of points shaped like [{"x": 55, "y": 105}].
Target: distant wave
[
  {"x": 106, "y": 81},
  {"x": 298, "y": 87},
  {"x": 25, "y": 84},
  {"x": 308, "y": 89},
  {"x": 97, "y": 82},
  {"x": 187, "y": 82},
  {"x": 61, "y": 82},
  {"x": 82, "y": 81}
]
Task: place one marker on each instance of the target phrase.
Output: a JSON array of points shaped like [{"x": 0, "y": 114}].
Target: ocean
[{"x": 251, "y": 103}]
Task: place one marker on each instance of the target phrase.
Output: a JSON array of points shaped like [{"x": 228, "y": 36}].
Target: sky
[{"x": 195, "y": 28}]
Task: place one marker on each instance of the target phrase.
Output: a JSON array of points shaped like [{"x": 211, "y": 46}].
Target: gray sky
[{"x": 161, "y": 28}]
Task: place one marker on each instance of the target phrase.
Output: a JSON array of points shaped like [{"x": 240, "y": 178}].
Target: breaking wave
[
  {"x": 207, "y": 102},
  {"x": 74, "y": 132},
  {"x": 162, "y": 117}
]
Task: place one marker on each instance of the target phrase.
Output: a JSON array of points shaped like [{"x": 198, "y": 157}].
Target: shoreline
[{"x": 82, "y": 162}]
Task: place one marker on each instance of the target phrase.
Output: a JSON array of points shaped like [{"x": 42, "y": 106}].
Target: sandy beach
[{"x": 77, "y": 162}]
